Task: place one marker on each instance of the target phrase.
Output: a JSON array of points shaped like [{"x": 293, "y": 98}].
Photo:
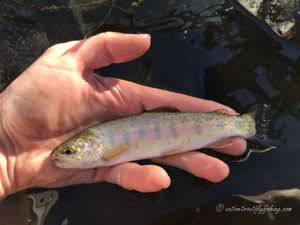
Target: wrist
[
  {"x": 3, "y": 176},
  {"x": 7, "y": 186}
]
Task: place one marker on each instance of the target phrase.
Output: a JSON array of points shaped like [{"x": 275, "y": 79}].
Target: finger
[
  {"x": 147, "y": 178},
  {"x": 153, "y": 98},
  {"x": 199, "y": 164},
  {"x": 150, "y": 98},
  {"x": 107, "y": 48}
]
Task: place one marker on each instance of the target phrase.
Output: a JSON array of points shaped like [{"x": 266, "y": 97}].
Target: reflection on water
[
  {"x": 30, "y": 209},
  {"x": 41, "y": 205},
  {"x": 278, "y": 207},
  {"x": 281, "y": 16},
  {"x": 151, "y": 16},
  {"x": 203, "y": 48}
]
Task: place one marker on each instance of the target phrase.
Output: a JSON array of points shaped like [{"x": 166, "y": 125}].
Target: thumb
[{"x": 110, "y": 47}]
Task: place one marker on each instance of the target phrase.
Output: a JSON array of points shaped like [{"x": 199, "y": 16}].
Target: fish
[{"x": 155, "y": 133}]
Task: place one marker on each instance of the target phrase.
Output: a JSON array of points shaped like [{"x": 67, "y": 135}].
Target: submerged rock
[
  {"x": 282, "y": 16},
  {"x": 151, "y": 16}
]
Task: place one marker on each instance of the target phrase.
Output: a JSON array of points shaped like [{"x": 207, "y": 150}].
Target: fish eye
[{"x": 68, "y": 150}]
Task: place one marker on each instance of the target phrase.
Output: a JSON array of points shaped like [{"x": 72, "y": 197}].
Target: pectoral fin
[
  {"x": 115, "y": 152},
  {"x": 173, "y": 151}
]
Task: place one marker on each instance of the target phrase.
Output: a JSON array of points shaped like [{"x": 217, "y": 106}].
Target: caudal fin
[
  {"x": 257, "y": 143},
  {"x": 262, "y": 116}
]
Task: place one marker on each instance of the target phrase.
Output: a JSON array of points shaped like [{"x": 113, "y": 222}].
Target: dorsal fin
[
  {"x": 221, "y": 111},
  {"x": 163, "y": 109}
]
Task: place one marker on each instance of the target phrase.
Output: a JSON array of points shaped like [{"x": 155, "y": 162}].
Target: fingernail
[
  {"x": 145, "y": 35},
  {"x": 168, "y": 180}
]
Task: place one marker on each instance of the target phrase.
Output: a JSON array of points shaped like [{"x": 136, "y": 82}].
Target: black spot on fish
[
  {"x": 238, "y": 124},
  {"x": 221, "y": 123},
  {"x": 208, "y": 118},
  {"x": 183, "y": 119}
]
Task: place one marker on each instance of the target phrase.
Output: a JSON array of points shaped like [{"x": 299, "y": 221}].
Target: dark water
[{"x": 207, "y": 49}]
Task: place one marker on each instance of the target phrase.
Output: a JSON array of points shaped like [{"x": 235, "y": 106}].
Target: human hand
[{"x": 59, "y": 95}]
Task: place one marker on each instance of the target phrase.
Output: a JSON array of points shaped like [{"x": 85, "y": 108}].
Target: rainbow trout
[{"x": 154, "y": 134}]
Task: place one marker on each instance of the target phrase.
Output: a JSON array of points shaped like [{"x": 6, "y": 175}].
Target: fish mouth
[
  {"x": 55, "y": 156},
  {"x": 56, "y": 160},
  {"x": 59, "y": 163}
]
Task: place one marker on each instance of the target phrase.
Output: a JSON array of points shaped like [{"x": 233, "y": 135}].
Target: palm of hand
[{"x": 59, "y": 95}]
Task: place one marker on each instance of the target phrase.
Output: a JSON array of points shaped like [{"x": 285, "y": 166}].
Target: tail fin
[{"x": 262, "y": 118}]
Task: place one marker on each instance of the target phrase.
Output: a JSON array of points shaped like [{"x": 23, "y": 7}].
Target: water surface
[{"x": 207, "y": 49}]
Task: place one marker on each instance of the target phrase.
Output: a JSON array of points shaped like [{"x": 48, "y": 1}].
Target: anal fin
[
  {"x": 172, "y": 151},
  {"x": 219, "y": 145},
  {"x": 163, "y": 109},
  {"x": 115, "y": 152}
]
